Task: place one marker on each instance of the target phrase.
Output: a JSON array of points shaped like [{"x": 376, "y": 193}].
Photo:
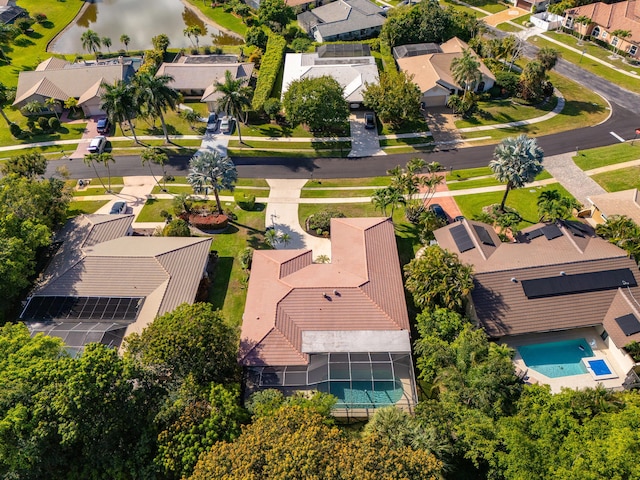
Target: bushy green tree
[
  {"x": 275, "y": 13},
  {"x": 29, "y": 165},
  {"x": 316, "y": 102},
  {"x": 395, "y": 98}
]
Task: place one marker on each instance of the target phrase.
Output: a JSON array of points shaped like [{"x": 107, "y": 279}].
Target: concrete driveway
[{"x": 364, "y": 143}]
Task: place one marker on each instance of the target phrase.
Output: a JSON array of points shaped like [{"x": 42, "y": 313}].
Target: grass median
[
  {"x": 609, "y": 155},
  {"x": 617, "y": 180}
]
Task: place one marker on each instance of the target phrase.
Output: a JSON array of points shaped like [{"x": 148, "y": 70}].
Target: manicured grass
[
  {"x": 506, "y": 111},
  {"x": 481, "y": 182},
  {"x": 229, "y": 288},
  {"x": 349, "y": 182},
  {"x": 523, "y": 19},
  {"x": 466, "y": 173},
  {"x": 290, "y": 145},
  {"x": 421, "y": 148},
  {"x": 241, "y": 152},
  {"x": 176, "y": 125},
  {"x": 507, "y": 27},
  {"x": 319, "y": 193},
  {"x": 30, "y": 49},
  {"x": 173, "y": 189},
  {"x": 490, "y": 6},
  {"x": 393, "y": 142},
  {"x": 523, "y": 200},
  {"x": 582, "y": 108},
  {"x": 152, "y": 208},
  {"x": 616, "y": 180},
  {"x": 410, "y": 127},
  {"x": 274, "y": 130},
  {"x": 461, "y": 8},
  {"x": 406, "y": 233},
  {"x": 84, "y": 206},
  {"x": 592, "y": 66},
  {"x": 609, "y": 155},
  {"x": 219, "y": 16},
  {"x": 95, "y": 191},
  {"x": 478, "y": 177},
  {"x": 65, "y": 132}
]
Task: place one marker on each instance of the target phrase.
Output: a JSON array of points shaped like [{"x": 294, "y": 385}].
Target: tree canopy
[{"x": 395, "y": 98}]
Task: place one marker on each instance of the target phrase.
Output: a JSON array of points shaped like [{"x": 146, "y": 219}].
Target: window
[
  {"x": 604, "y": 335},
  {"x": 614, "y": 41},
  {"x": 596, "y": 32},
  {"x": 604, "y": 35}
]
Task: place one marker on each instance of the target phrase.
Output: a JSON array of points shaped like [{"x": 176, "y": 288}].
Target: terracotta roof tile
[
  {"x": 626, "y": 202},
  {"x": 614, "y": 16}
]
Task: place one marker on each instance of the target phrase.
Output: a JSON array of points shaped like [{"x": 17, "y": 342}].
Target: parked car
[
  {"x": 118, "y": 207},
  {"x": 439, "y": 212},
  {"x": 97, "y": 144},
  {"x": 226, "y": 124},
  {"x": 212, "y": 123},
  {"x": 369, "y": 120},
  {"x": 104, "y": 125}
]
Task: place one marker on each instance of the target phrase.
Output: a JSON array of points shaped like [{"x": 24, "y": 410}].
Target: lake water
[{"x": 140, "y": 20}]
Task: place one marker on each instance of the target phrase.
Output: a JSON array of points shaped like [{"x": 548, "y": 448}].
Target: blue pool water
[
  {"x": 599, "y": 367},
  {"x": 366, "y": 394},
  {"x": 557, "y": 359}
]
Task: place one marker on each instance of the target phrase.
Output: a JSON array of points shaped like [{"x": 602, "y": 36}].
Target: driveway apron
[
  {"x": 577, "y": 182},
  {"x": 364, "y": 143}
]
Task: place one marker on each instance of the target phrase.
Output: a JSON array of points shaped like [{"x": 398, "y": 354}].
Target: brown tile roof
[
  {"x": 614, "y": 16},
  {"x": 499, "y": 300},
  {"x": 434, "y": 69},
  {"x": 361, "y": 289},
  {"x": 624, "y": 303},
  {"x": 626, "y": 202}
]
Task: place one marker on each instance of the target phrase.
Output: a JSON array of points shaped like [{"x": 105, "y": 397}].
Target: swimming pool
[
  {"x": 557, "y": 359},
  {"x": 366, "y": 394}
]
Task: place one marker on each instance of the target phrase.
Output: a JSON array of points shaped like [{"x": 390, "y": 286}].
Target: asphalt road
[{"x": 622, "y": 122}]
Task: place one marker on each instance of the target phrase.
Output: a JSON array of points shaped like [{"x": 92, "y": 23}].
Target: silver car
[{"x": 226, "y": 124}]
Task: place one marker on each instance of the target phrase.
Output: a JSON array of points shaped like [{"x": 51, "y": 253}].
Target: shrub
[
  {"x": 508, "y": 81},
  {"x": 272, "y": 107},
  {"x": 322, "y": 220},
  {"x": 176, "y": 228},
  {"x": 43, "y": 123},
  {"x": 54, "y": 123},
  {"x": 633, "y": 349},
  {"x": 23, "y": 24},
  {"x": 269, "y": 68},
  {"x": 31, "y": 123},
  {"x": 300, "y": 44},
  {"x": 256, "y": 57},
  {"x": 246, "y": 257},
  {"x": 207, "y": 50},
  {"x": 241, "y": 9},
  {"x": 15, "y": 130},
  {"x": 245, "y": 201},
  {"x": 40, "y": 18},
  {"x": 257, "y": 37}
]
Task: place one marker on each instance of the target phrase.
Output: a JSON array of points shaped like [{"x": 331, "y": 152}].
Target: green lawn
[
  {"x": 523, "y": 200},
  {"x": 84, "y": 206},
  {"x": 461, "y": 8},
  {"x": 30, "y": 49},
  {"x": 291, "y": 145},
  {"x": 609, "y": 155},
  {"x": 582, "y": 108},
  {"x": 622, "y": 179},
  {"x": 522, "y": 20},
  {"x": 394, "y": 142},
  {"x": 152, "y": 208},
  {"x": 65, "y": 132},
  {"x": 229, "y": 288},
  {"x": 490, "y": 6},
  {"x": 349, "y": 182},
  {"x": 176, "y": 125},
  {"x": 219, "y": 16},
  {"x": 248, "y": 152},
  {"x": 507, "y": 27},
  {"x": 506, "y": 111},
  {"x": 466, "y": 178},
  {"x": 320, "y": 193},
  {"x": 467, "y": 173},
  {"x": 410, "y": 127},
  {"x": 274, "y": 130},
  {"x": 89, "y": 191},
  {"x": 592, "y": 66}
]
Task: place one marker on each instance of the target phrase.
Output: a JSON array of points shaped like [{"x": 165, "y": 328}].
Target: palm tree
[
  {"x": 190, "y": 116},
  {"x": 90, "y": 159},
  {"x": 552, "y": 205},
  {"x": 548, "y": 57},
  {"x": 620, "y": 35},
  {"x": 235, "y": 96},
  {"x": 387, "y": 197},
  {"x": 52, "y": 103},
  {"x": 584, "y": 21},
  {"x": 106, "y": 158},
  {"x": 119, "y": 101},
  {"x": 156, "y": 93},
  {"x": 90, "y": 41},
  {"x": 623, "y": 232},
  {"x": 212, "y": 169},
  {"x": 194, "y": 31},
  {"x": 124, "y": 39},
  {"x": 7, "y": 96},
  {"x": 466, "y": 71},
  {"x": 155, "y": 155},
  {"x": 517, "y": 161},
  {"x": 106, "y": 41},
  {"x": 33, "y": 107},
  {"x": 418, "y": 177}
]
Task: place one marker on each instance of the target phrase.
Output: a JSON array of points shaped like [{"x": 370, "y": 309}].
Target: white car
[
  {"x": 97, "y": 144},
  {"x": 226, "y": 124}
]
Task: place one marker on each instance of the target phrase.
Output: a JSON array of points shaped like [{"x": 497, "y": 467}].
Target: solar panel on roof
[
  {"x": 462, "y": 238},
  {"x": 551, "y": 232},
  {"x": 629, "y": 324},
  {"x": 534, "y": 234},
  {"x": 579, "y": 283},
  {"x": 483, "y": 235},
  {"x": 576, "y": 228},
  {"x": 43, "y": 308}
]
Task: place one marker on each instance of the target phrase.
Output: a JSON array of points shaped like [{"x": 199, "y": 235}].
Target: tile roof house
[
  {"x": 432, "y": 71},
  {"x": 352, "y": 72},
  {"x": 341, "y": 327},
  {"x": 195, "y": 78},
  {"x": 103, "y": 284},
  {"x": 556, "y": 277},
  {"x": 59, "y": 79},
  {"x": 626, "y": 202},
  {"x": 343, "y": 20},
  {"x": 606, "y": 18}
]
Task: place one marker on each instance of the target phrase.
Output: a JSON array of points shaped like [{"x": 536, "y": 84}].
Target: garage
[{"x": 435, "y": 101}]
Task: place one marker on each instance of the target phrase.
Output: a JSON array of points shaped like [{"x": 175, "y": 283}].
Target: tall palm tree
[
  {"x": 387, "y": 197},
  {"x": 119, "y": 101},
  {"x": 156, "y": 93},
  {"x": 106, "y": 41},
  {"x": 516, "y": 161},
  {"x": 52, "y": 103},
  {"x": 124, "y": 39},
  {"x": 90, "y": 41},
  {"x": 584, "y": 22},
  {"x": 106, "y": 159},
  {"x": 90, "y": 159},
  {"x": 157, "y": 156},
  {"x": 194, "y": 31},
  {"x": 548, "y": 57},
  {"x": 620, "y": 35},
  {"x": 466, "y": 71},
  {"x": 33, "y": 107},
  {"x": 235, "y": 96},
  {"x": 212, "y": 169}
]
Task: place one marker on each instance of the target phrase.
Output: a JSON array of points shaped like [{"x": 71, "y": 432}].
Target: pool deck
[{"x": 600, "y": 350}]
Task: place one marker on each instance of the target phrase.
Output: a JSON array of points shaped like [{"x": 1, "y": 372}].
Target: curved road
[{"x": 623, "y": 122}]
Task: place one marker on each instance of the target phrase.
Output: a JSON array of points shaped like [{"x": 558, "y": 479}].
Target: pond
[{"x": 140, "y": 20}]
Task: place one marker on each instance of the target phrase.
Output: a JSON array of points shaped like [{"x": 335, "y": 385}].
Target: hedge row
[{"x": 269, "y": 68}]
